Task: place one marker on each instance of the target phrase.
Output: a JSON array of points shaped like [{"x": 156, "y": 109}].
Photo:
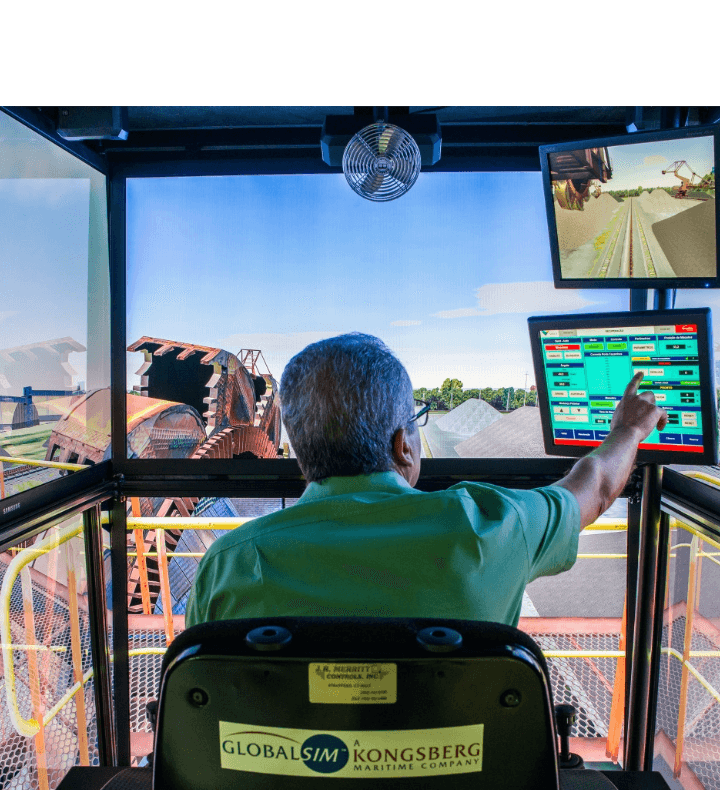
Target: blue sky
[
  {"x": 44, "y": 262},
  {"x": 447, "y": 275},
  {"x": 641, "y": 164}
]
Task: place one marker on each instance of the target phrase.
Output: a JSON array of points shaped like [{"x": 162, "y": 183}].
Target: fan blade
[
  {"x": 372, "y": 182},
  {"x": 389, "y": 142}
]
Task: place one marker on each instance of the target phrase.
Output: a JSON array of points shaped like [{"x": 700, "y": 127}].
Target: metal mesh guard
[{"x": 381, "y": 162}]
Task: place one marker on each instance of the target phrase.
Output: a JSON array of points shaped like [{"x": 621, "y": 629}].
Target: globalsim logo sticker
[{"x": 351, "y": 754}]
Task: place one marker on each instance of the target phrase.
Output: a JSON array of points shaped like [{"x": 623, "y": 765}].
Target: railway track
[{"x": 627, "y": 252}]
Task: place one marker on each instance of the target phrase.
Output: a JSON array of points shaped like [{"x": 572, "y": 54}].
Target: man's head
[{"x": 346, "y": 403}]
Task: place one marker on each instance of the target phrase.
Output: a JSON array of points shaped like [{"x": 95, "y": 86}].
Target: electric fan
[{"x": 381, "y": 162}]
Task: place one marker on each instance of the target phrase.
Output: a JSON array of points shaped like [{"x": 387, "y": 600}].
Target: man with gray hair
[{"x": 361, "y": 541}]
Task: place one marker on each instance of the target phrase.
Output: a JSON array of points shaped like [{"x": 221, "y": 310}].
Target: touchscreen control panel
[{"x": 587, "y": 370}]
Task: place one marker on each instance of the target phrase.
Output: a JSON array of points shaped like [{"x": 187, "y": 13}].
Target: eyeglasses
[{"x": 421, "y": 416}]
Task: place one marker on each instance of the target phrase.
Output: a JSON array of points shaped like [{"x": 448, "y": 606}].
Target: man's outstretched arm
[{"x": 598, "y": 479}]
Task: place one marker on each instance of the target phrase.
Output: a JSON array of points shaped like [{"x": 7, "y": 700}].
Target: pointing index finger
[{"x": 631, "y": 388}]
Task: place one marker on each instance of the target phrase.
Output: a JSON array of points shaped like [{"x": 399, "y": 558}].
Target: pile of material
[
  {"x": 517, "y": 435},
  {"x": 575, "y": 228}
]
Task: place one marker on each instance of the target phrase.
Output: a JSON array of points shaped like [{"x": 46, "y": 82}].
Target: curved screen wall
[{"x": 54, "y": 311}]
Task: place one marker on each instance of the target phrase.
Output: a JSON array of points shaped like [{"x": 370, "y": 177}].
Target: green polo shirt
[{"x": 373, "y": 546}]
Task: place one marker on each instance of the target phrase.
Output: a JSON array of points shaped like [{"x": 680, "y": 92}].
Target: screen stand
[{"x": 643, "y": 661}]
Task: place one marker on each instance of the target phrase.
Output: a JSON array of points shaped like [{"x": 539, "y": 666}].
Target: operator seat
[{"x": 294, "y": 702}]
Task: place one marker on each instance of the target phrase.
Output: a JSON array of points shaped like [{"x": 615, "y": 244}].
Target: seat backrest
[{"x": 280, "y": 702}]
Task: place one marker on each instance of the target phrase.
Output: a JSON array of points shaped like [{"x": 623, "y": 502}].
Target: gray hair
[{"x": 343, "y": 399}]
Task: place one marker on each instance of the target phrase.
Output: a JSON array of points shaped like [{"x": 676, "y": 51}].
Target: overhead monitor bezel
[
  {"x": 626, "y": 282},
  {"x": 700, "y": 316}
]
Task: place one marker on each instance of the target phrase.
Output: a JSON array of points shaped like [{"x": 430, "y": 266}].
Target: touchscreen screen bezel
[{"x": 700, "y": 316}]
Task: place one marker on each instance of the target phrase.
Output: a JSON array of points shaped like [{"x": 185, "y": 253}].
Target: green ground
[{"x": 26, "y": 442}]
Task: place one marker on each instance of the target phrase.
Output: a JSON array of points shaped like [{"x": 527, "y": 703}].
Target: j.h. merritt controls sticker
[
  {"x": 353, "y": 684},
  {"x": 347, "y": 754}
]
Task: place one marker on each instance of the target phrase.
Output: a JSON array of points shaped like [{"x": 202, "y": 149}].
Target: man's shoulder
[
  {"x": 520, "y": 500},
  {"x": 234, "y": 539}
]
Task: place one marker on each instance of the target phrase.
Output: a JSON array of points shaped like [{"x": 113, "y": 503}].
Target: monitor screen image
[
  {"x": 584, "y": 364},
  {"x": 633, "y": 209}
]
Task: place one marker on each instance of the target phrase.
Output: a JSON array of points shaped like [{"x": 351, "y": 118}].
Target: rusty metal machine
[
  {"x": 575, "y": 172},
  {"x": 238, "y": 404},
  {"x": 192, "y": 402},
  {"x": 689, "y": 184}
]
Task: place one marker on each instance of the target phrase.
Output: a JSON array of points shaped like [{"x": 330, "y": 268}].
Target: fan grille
[{"x": 381, "y": 162}]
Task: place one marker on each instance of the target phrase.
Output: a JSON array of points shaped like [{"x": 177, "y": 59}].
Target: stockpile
[
  {"x": 443, "y": 434},
  {"x": 516, "y": 435},
  {"x": 575, "y": 228},
  {"x": 469, "y": 417},
  {"x": 658, "y": 201},
  {"x": 688, "y": 240}
]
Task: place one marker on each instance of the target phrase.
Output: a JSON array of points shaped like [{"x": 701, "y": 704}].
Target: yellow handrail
[
  {"x": 26, "y": 727},
  {"x": 16, "y": 459},
  {"x": 703, "y": 476},
  {"x": 703, "y": 653}
]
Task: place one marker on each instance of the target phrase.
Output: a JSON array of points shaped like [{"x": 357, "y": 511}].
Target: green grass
[{"x": 26, "y": 442}]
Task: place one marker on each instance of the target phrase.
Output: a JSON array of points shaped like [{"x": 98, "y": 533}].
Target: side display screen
[
  {"x": 584, "y": 371},
  {"x": 638, "y": 208}
]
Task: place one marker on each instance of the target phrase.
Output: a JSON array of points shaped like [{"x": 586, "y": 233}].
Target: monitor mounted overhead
[
  {"x": 636, "y": 211},
  {"x": 583, "y": 364}
]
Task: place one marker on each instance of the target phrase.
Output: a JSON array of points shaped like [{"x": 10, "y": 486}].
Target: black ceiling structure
[{"x": 287, "y": 139}]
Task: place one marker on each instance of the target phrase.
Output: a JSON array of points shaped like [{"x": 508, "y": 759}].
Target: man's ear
[{"x": 401, "y": 450}]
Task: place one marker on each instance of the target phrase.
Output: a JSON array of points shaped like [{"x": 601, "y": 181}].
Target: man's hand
[
  {"x": 599, "y": 478},
  {"x": 638, "y": 412}
]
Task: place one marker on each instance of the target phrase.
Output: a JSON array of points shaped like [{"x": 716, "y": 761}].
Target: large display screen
[
  {"x": 229, "y": 277},
  {"x": 640, "y": 208},
  {"x": 583, "y": 365}
]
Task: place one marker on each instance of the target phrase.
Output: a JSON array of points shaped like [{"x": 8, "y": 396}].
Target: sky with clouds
[
  {"x": 44, "y": 226},
  {"x": 447, "y": 275},
  {"x": 641, "y": 164}
]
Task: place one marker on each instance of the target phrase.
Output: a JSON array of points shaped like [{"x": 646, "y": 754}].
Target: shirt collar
[{"x": 386, "y": 482}]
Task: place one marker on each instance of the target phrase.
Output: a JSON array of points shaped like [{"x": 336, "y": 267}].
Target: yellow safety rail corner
[{"x": 27, "y": 727}]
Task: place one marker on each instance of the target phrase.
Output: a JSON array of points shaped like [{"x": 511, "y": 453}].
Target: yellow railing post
[
  {"x": 617, "y": 707},
  {"x": 46, "y": 662},
  {"x": 34, "y": 679},
  {"x": 142, "y": 562},
  {"x": 165, "y": 596},
  {"x": 689, "y": 611},
  {"x": 76, "y": 647},
  {"x": 699, "y": 574}
]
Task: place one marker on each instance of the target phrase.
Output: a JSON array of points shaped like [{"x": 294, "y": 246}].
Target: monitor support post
[
  {"x": 643, "y": 665},
  {"x": 649, "y": 573}
]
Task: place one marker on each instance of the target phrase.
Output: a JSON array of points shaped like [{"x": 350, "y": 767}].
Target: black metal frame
[
  {"x": 97, "y": 605},
  {"x": 495, "y": 149}
]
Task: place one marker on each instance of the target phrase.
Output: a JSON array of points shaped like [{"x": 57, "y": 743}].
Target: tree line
[
  {"x": 621, "y": 194},
  {"x": 452, "y": 394}
]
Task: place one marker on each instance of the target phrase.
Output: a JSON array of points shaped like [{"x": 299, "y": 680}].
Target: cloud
[
  {"x": 525, "y": 297},
  {"x": 655, "y": 159},
  {"x": 461, "y": 312},
  {"x": 7, "y": 314},
  {"x": 67, "y": 194},
  {"x": 405, "y": 323}
]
